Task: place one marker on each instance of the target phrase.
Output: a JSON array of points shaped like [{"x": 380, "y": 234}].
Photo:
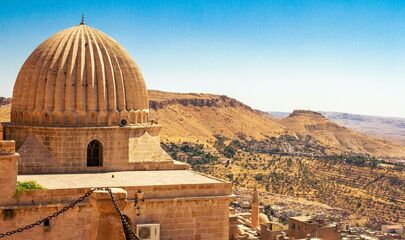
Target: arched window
[{"x": 94, "y": 154}]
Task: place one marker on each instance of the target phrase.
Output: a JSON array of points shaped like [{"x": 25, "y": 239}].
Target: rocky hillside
[
  {"x": 201, "y": 117},
  {"x": 391, "y": 128},
  {"x": 385, "y": 127},
  {"x": 338, "y": 137}
]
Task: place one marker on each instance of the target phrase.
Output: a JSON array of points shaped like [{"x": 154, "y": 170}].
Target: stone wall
[
  {"x": 194, "y": 211},
  {"x": 178, "y": 219},
  {"x": 8, "y": 170},
  {"x": 302, "y": 229},
  {"x": 64, "y": 149},
  {"x": 200, "y": 218},
  {"x": 76, "y": 223}
]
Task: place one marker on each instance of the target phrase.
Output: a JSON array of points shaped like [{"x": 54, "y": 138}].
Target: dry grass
[{"x": 5, "y": 113}]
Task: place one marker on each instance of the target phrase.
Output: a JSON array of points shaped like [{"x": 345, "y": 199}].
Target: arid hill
[
  {"x": 201, "y": 117},
  {"x": 338, "y": 137},
  {"x": 5, "y": 113},
  {"x": 390, "y": 128}
]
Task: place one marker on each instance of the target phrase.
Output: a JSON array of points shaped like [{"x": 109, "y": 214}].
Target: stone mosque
[{"x": 80, "y": 120}]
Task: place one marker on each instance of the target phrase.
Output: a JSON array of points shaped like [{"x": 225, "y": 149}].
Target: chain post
[{"x": 128, "y": 230}]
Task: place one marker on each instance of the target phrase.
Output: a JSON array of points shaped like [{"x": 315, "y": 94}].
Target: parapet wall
[
  {"x": 76, "y": 223},
  {"x": 192, "y": 211}
]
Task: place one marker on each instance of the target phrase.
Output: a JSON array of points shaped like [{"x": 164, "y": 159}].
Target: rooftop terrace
[{"x": 118, "y": 179}]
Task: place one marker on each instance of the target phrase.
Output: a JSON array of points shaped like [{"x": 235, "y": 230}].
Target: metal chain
[{"x": 129, "y": 232}]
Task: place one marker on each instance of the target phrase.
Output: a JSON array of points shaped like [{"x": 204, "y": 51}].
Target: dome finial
[{"x": 82, "y": 22}]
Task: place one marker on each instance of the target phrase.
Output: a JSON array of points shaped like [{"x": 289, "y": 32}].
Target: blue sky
[{"x": 346, "y": 56}]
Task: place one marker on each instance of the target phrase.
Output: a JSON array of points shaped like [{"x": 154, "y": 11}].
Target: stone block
[
  {"x": 8, "y": 182},
  {"x": 7, "y": 147},
  {"x": 109, "y": 224}
]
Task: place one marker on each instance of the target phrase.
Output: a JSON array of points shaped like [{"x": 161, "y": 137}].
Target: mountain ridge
[{"x": 389, "y": 128}]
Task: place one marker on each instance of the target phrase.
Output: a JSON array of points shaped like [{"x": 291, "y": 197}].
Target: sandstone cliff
[{"x": 160, "y": 100}]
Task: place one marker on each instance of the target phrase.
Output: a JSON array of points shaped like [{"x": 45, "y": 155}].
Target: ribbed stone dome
[{"x": 79, "y": 77}]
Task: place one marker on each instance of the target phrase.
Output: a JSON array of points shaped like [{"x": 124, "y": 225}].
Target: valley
[{"x": 304, "y": 157}]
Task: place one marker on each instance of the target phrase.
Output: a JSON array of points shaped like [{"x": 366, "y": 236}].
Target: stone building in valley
[
  {"x": 79, "y": 120},
  {"x": 301, "y": 227}
]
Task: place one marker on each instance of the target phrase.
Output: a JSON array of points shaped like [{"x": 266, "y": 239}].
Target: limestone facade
[{"x": 64, "y": 149}]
